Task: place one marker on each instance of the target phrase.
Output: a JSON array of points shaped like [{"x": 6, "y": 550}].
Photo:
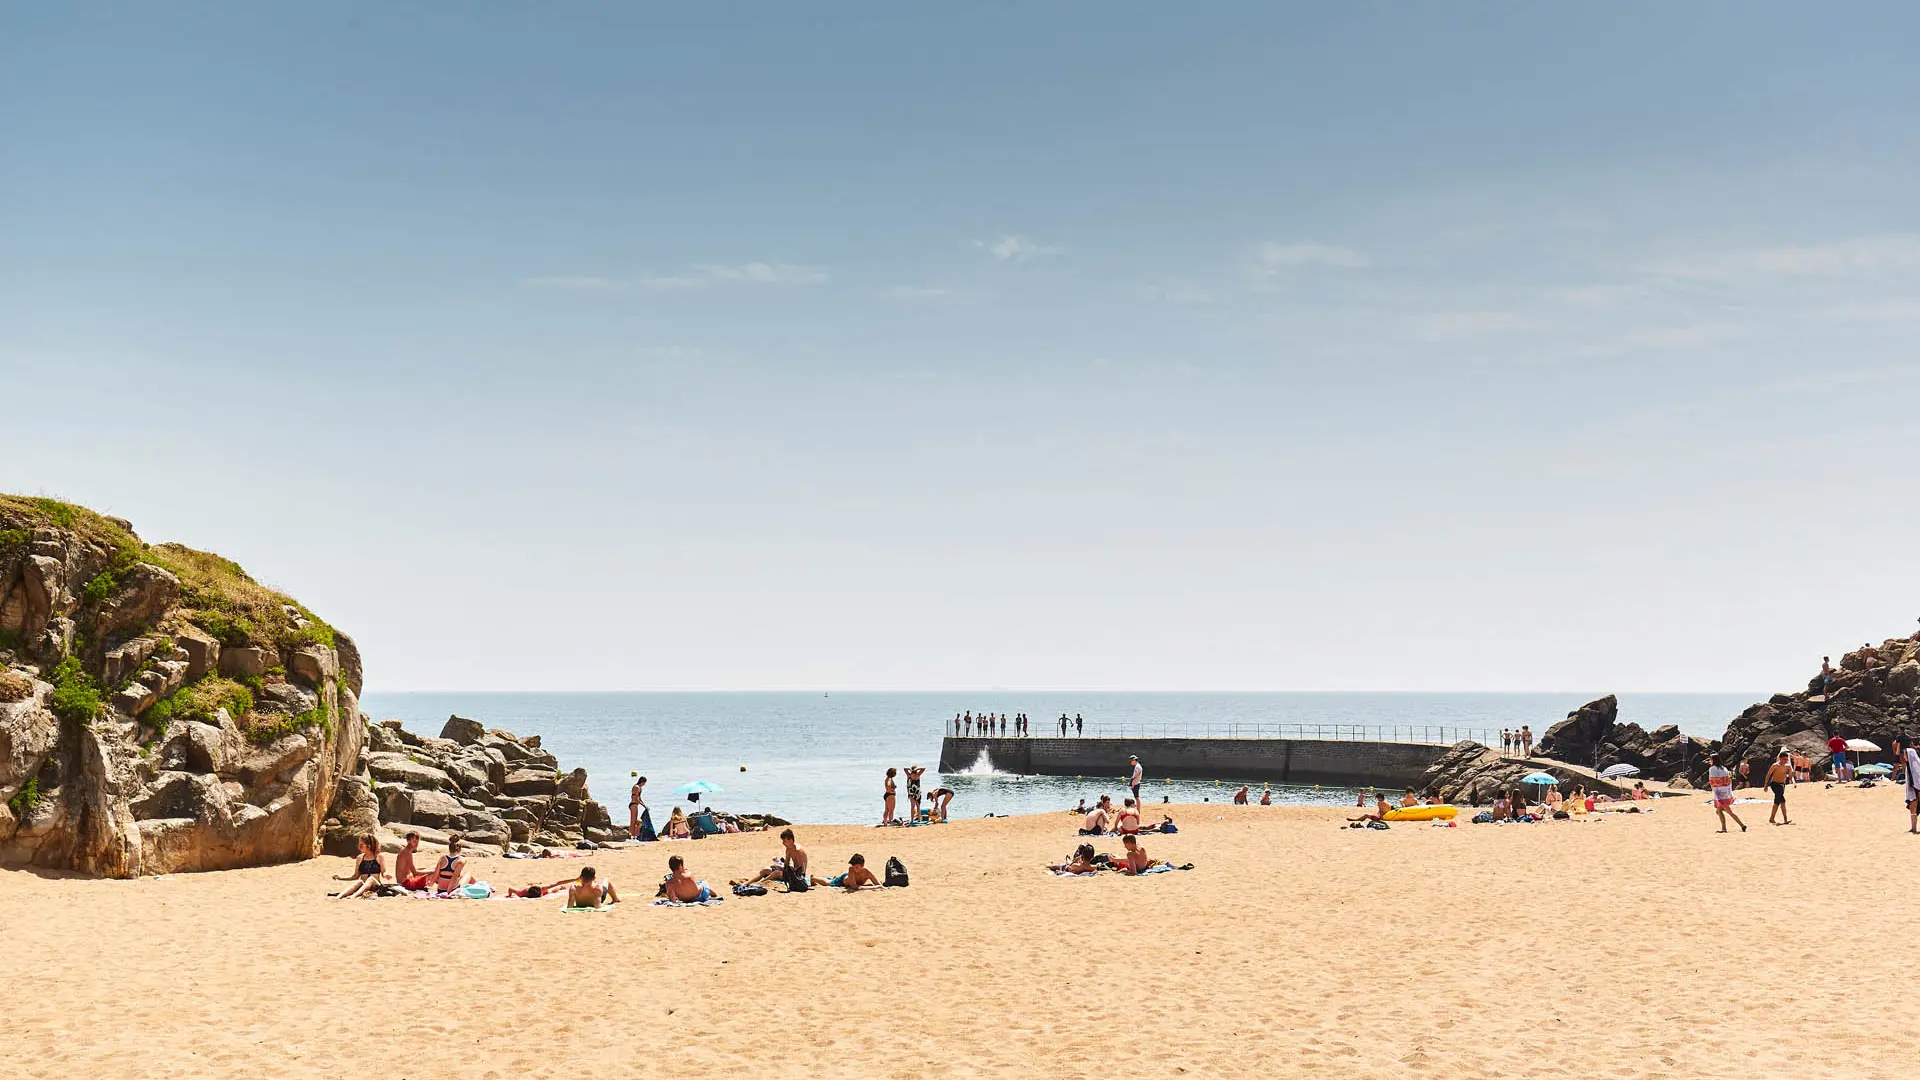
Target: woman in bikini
[
  {"x": 886, "y": 815},
  {"x": 448, "y": 875},
  {"x": 368, "y": 871}
]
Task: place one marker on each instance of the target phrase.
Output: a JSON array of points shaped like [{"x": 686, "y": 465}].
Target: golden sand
[{"x": 1632, "y": 946}]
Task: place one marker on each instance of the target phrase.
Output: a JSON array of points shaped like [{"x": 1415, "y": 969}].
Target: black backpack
[{"x": 896, "y": 873}]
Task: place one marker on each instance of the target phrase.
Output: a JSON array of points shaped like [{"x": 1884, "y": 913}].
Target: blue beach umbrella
[
  {"x": 1875, "y": 770},
  {"x": 698, "y": 787},
  {"x": 1539, "y": 778}
]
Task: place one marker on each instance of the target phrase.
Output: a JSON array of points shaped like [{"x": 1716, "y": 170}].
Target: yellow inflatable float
[{"x": 1422, "y": 813}]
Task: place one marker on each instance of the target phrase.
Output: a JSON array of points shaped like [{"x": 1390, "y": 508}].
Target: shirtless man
[
  {"x": 1380, "y": 809},
  {"x": 584, "y": 891},
  {"x": 410, "y": 876},
  {"x": 1096, "y": 820},
  {"x": 856, "y": 878},
  {"x": 1128, "y": 823},
  {"x": 1240, "y": 797},
  {"x": 680, "y": 884},
  {"x": 790, "y": 867},
  {"x": 1778, "y": 775},
  {"x": 1137, "y": 860}
]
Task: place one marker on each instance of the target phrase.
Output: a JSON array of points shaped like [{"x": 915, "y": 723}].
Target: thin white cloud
[
  {"x": 1273, "y": 257},
  {"x": 1862, "y": 257},
  {"x": 702, "y": 276},
  {"x": 1010, "y": 248},
  {"x": 1470, "y": 325},
  {"x": 917, "y": 292}
]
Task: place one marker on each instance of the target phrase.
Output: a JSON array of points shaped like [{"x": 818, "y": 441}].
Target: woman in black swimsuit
[
  {"x": 636, "y": 802},
  {"x": 886, "y": 816},
  {"x": 369, "y": 871}
]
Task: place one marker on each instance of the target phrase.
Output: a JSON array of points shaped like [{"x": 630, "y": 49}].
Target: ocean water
[{"x": 821, "y": 757}]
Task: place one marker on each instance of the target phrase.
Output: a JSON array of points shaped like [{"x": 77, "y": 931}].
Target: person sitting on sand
[
  {"x": 369, "y": 870},
  {"x": 680, "y": 886},
  {"x": 1080, "y": 862},
  {"x": 1129, "y": 820},
  {"x": 1081, "y": 809},
  {"x": 1097, "y": 820},
  {"x": 1137, "y": 861},
  {"x": 584, "y": 891},
  {"x": 790, "y": 868},
  {"x": 677, "y": 826},
  {"x": 409, "y": 875},
  {"x": 857, "y": 876},
  {"x": 1409, "y": 799},
  {"x": 451, "y": 873},
  {"x": 1380, "y": 808},
  {"x": 1639, "y": 790}
]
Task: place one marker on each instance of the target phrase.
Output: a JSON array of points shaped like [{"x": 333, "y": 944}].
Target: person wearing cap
[{"x": 1138, "y": 774}]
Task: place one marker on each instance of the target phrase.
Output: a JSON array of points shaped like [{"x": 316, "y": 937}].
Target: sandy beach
[{"x": 1627, "y": 946}]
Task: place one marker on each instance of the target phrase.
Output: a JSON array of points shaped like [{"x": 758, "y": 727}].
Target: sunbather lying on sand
[
  {"x": 856, "y": 878},
  {"x": 536, "y": 891}
]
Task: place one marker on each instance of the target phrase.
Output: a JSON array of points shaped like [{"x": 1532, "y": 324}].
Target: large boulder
[
  {"x": 436, "y": 809},
  {"x": 463, "y": 731},
  {"x": 529, "y": 782},
  {"x": 1576, "y": 739},
  {"x": 312, "y": 664},
  {"x": 244, "y": 662},
  {"x": 140, "y": 596}
]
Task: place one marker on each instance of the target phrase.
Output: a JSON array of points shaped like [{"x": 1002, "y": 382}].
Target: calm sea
[{"x": 820, "y": 758}]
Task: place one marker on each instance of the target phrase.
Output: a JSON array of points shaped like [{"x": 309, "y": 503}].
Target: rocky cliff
[
  {"x": 1594, "y": 737},
  {"x": 1874, "y": 695},
  {"x": 160, "y": 710}
]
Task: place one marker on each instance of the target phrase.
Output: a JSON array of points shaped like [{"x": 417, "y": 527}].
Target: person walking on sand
[
  {"x": 1778, "y": 775},
  {"x": 1721, "y": 781},
  {"x": 886, "y": 814},
  {"x": 1139, "y": 774}
]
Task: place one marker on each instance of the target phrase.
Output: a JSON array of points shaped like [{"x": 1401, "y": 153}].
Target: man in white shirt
[{"x": 1138, "y": 774}]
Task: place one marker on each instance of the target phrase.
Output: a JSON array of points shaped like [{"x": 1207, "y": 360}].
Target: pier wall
[{"x": 1292, "y": 761}]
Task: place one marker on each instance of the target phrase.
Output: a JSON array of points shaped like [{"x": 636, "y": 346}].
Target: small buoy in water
[
  {"x": 634, "y": 773},
  {"x": 743, "y": 768}
]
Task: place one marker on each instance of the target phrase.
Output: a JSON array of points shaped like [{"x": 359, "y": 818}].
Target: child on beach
[
  {"x": 1721, "y": 781},
  {"x": 856, "y": 877}
]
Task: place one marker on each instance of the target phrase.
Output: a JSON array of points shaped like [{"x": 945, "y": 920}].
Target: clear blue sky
[{"x": 1462, "y": 346}]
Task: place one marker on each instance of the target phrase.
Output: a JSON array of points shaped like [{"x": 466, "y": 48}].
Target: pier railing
[{"x": 1425, "y": 734}]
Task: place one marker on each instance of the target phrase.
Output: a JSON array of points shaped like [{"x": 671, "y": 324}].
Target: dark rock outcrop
[
  {"x": 1874, "y": 695},
  {"x": 1593, "y": 736},
  {"x": 1470, "y": 774}
]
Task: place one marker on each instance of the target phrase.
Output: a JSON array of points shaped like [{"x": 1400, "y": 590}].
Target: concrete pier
[{"x": 1290, "y": 761}]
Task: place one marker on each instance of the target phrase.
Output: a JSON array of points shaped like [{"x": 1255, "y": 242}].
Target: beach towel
[
  {"x": 1162, "y": 868},
  {"x": 602, "y": 907},
  {"x": 1069, "y": 873},
  {"x": 708, "y": 902}
]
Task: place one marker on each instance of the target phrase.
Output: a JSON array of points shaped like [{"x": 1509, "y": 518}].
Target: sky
[{"x": 1106, "y": 346}]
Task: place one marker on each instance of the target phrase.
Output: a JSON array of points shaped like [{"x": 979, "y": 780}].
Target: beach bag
[
  {"x": 646, "y": 827},
  {"x": 479, "y": 890},
  {"x": 896, "y": 877},
  {"x": 796, "y": 879},
  {"x": 1377, "y": 825},
  {"x": 749, "y": 890},
  {"x": 1484, "y": 817}
]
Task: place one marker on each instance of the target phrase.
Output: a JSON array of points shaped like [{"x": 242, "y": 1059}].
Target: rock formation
[
  {"x": 1470, "y": 774},
  {"x": 160, "y": 710},
  {"x": 491, "y": 786},
  {"x": 1874, "y": 695},
  {"x": 1593, "y": 736}
]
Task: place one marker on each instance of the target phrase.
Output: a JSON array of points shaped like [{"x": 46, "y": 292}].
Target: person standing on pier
[
  {"x": 1063, "y": 725},
  {"x": 1526, "y": 740},
  {"x": 1139, "y": 773},
  {"x": 1077, "y": 722}
]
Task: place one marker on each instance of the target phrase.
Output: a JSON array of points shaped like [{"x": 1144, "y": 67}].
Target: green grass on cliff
[
  {"x": 217, "y": 595},
  {"x": 198, "y": 701}
]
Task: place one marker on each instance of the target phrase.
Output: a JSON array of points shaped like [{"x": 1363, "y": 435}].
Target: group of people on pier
[{"x": 990, "y": 725}]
